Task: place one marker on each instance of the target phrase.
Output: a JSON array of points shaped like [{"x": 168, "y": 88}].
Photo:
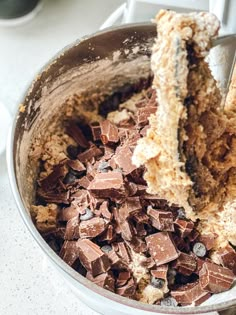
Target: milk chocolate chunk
[
  {"x": 76, "y": 133},
  {"x": 54, "y": 197},
  {"x": 227, "y": 257},
  {"x": 69, "y": 252},
  {"x": 104, "y": 210},
  {"x": 50, "y": 182},
  {"x": 131, "y": 206},
  {"x": 215, "y": 278},
  {"x": 185, "y": 264},
  {"x": 96, "y": 131},
  {"x": 107, "y": 185},
  {"x": 127, "y": 290},
  {"x": 208, "y": 240},
  {"x": 123, "y": 158},
  {"x": 161, "y": 220},
  {"x": 122, "y": 251},
  {"x": 143, "y": 115},
  {"x": 91, "y": 228},
  {"x": 190, "y": 294},
  {"x": 184, "y": 227},
  {"x": 137, "y": 244},
  {"x": 104, "y": 280},
  {"x": 108, "y": 235},
  {"x": 127, "y": 230},
  {"x": 160, "y": 272},
  {"x": 77, "y": 166},
  {"x": 109, "y": 132},
  {"x": 91, "y": 257},
  {"x": 72, "y": 229},
  {"x": 84, "y": 182},
  {"x": 161, "y": 248},
  {"x": 123, "y": 278},
  {"x": 89, "y": 154}
]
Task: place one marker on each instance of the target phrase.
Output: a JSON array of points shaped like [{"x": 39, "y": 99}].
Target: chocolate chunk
[
  {"x": 141, "y": 217},
  {"x": 77, "y": 166},
  {"x": 89, "y": 154},
  {"x": 104, "y": 210},
  {"x": 87, "y": 215},
  {"x": 76, "y": 133},
  {"x": 214, "y": 278},
  {"x": 160, "y": 272},
  {"x": 127, "y": 230},
  {"x": 122, "y": 251},
  {"x": 109, "y": 132},
  {"x": 91, "y": 257},
  {"x": 123, "y": 278},
  {"x": 69, "y": 252},
  {"x": 157, "y": 282},
  {"x": 208, "y": 240},
  {"x": 199, "y": 249},
  {"x": 50, "y": 182},
  {"x": 127, "y": 290},
  {"x": 54, "y": 197},
  {"x": 143, "y": 115},
  {"x": 69, "y": 213},
  {"x": 107, "y": 185},
  {"x": 181, "y": 243},
  {"x": 104, "y": 280},
  {"x": 96, "y": 131},
  {"x": 123, "y": 158},
  {"x": 190, "y": 294},
  {"x": 227, "y": 257},
  {"x": 161, "y": 220},
  {"x": 184, "y": 227},
  {"x": 131, "y": 206},
  {"x": 91, "y": 228},
  {"x": 108, "y": 235},
  {"x": 84, "y": 182},
  {"x": 137, "y": 244},
  {"x": 161, "y": 248},
  {"x": 185, "y": 264},
  {"x": 169, "y": 302},
  {"x": 72, "y": 229}
]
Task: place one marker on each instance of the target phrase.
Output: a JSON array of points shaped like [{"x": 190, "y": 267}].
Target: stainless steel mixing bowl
[{"x": 103, "y": 61}]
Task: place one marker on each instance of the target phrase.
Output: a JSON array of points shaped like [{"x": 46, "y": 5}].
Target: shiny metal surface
[{"x": 104, "y": 43}]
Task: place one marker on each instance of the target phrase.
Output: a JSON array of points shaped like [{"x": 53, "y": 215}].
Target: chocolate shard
[
  {"x": 227, "y": 257},
  {"x": 185, "y": 264},
  {"x": 123, "y": 158},
  {"x": 184, "y": 227},
  {"x": 72, "y": 229},
  {"x": 123, "y": 278},
  {"x": 122, "y": 251},
  {"x": 161, "y": 219},
  {"x": 107, "y": 185},
  {"x": 76, "y": 133},
  {"x": 190, "y": 294},
  {"x": 161, "y": 248},
  {"x": 137, "y": 244},
  {"x": 108, "y": 235},
  {"x": 54, "y": 197},
  {"x": 96, "y": 131},
  {"x": 91, "y": 257},
  {"x": 51, "y": 181},
  {"x": 77, "y": 166},
  {"x": 84, "y": 182},
  {"x": 160, "y": 272},
  {"x": 91, "y": 228},
  {"x": 127, "y": 230},
  {"x": 104, "y": 280},
  {"x": 109, "y": 132},
  {"x": 143, "y": 115},
  {"x": 69, "y": 252},
  {"x": 131, "y": 206},
  {"x": 104, "y": 210},
  {"x": 128, "y": 290},
  {"x": 69, "y": 213},
  {"x": 215, "y": 278},
  {"x": 89, "y": 154}
]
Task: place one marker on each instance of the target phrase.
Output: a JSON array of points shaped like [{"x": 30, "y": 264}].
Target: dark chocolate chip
[
  {"x": 106, "y": 248},
  {"x": 70, "y": 178},
  {"x": 157, "y": 282},
  {"x": 199, "y": 249},
  {"x": 87, "y": 215},
  {"x": 73, "y": 151},
  {"x": 169, "y": 301},
  {"x": 181, "y": 213},
  {"x": 103, "y": 167}
]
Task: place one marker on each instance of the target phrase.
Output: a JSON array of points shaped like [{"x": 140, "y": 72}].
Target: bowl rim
[{"x": 74, "y": 275}]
